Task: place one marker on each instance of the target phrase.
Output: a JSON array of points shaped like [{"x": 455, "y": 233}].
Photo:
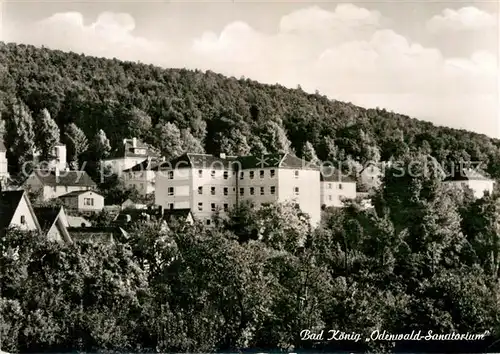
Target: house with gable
[
  {"x": 16, "y": 211},
  {"x": 468, "y": 177},
  {"x": 336, "y": 187},
  {"x": 131, "y": 153},
  {"x": 53, "y": 223},
  {"x": 53, "y": 184}
]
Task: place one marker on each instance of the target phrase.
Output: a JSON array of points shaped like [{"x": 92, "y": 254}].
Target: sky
[{"x": 431, "y": 60}]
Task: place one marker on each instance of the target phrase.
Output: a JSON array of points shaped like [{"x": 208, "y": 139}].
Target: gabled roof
[
  {"x": 148, "y": 164},
  {"x": 332, "y": 174},
  {"x": 197, "y": 161},
  {"x": 65, "y": 178},
  {"x": 49, "y": 216},
  {"x": 206, "y": 161},
  {"x": 282, "y": 161},
  {"x": 77, "y": 193},
  {"x": 9, "y": 202},
  {"x": 372, "y": 164},
  {"x": 105, "y": 234},
  {"x": 466, "y": 174},
  {"x": 127, "y": 149}
]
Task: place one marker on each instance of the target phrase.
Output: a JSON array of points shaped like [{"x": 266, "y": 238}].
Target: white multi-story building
[
  {"x": 142, "y": 176},
  {"x": 206, "y": 184},
  {"x": 474, "y": 180},
  {"x": 335, "y": 187}
]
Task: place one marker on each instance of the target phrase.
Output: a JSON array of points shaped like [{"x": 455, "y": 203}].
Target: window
[
  {"x": 170, "y": 206},
  {"x": 212, "y": 174},
  {"x": 212, "y": 206},
  {"x": 54, "y": 188},
  {"x": 330, "y": 197},
  {"x": 261, "y": 173},
  {"x": 252, "y": 190},
  {"x": 251, "y": 174},
  {"x": 296, "y": 174},
  {"x": 23, "y": 219},
  {"x": 261, "y": 190},
  {"x": 212, "y": 190},
  {"x": 200, "y": 173},
  {"x": 272, "y": 172},
  {"x": 242, "y": 174},
  {"x": 273, "y": 190},
  {"x": 170, "y": 190},
  {"x": 226, "y": 207},
  {"x": 296, "y": 190},
  {"x": 200, "y": 206},
  {"x": 208, "y": 222},
  {"x": 340, "y": 185},
  {"x": 242, "y": 191},
  {"x": 88, "y": 201},
  {"x": 66, "y": 189},
  {"x": 170, "y": 174},
  {"x": 200, "y": 190},
  {"x": 226, "y": 175},
  {"x": 226, "y": 191},
  {"x": 329, "y": 186}
]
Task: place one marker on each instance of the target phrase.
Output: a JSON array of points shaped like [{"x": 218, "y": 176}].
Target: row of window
[
  {"x": 252, "y": 190},
  {"x": 339, "y": 186},
  {"x": 88, "y": 201},
  {"x": 251, "y": 174}
]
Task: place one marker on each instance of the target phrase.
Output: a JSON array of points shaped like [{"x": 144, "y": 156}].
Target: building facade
[
  {"x": 131, "y": 153},
  {"x": 141, "y": 177},
  {"x": 53, "y": 184},
  {"x": 477, "y": 182},
  {"x": 16, "y": 211},
  {"x": 336, "y": 187},
  {"x": 85, "y": 200},
  {"x": 207, "y": 184},
  {"x": 4, "y": 165}
]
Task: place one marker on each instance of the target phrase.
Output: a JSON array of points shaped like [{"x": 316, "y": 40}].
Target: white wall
[
  {"x": 23, "y": 210},
  {"x": 257, "y": 183},
  {"x": 3, "y": 164},
  {"x": 181, "y": 184},
  {"x": 98, "y": 201},
  {"x": 308, "y": 198},
  {"x": 478, "y": 187},
  {"x": 119, "y": 164},
  {"x": 333, "y": 192},
  {"x": 142, "y": 181}
]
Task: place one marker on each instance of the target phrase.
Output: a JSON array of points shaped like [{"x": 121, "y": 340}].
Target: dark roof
[
  {"x": 148, "y": 164},
  {"x": 9, "y": 202},
  {"x": 466, "y": 174},
  {"x": 66, "y": 178},
  {"x": 205, "y": 161},
  {"x": 201, "y": 161},
  {"x": 46, "y": 217},
  {"x": 283, "y": 161},
  {"x": 332, "y": 174},
  {"x": 127, "y": 149},
  {"x": 171, "y": 214},
  {"x": 77, "y": 193},
  {"x": 101, "y": 233}
]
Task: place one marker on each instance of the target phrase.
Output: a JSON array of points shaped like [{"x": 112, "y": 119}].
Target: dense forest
[{"x": 177, "y": 110}]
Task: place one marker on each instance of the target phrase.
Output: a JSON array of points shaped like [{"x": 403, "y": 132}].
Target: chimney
[
  {"x": 134, "y": 142},
  {"x": 222, "y": 155},
  {"x": 56, "y": 171},
  {"x": 124, "y": 141}
]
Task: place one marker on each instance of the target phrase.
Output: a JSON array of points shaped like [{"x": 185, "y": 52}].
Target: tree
[
  {"x": 19, "y": 133},
  {"x": 77, "y": 144},
  {"x": 274, "y": 137},
  {"x": 190, "y": 143},
  {"x": 169, "y": 140},
  {"x": 47, "y": 135},
  {"x": 100, "y": 145},
  {"x": 309, "y": 154}
]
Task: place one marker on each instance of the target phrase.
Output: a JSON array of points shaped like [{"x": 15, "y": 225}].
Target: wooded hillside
[{"x": 179, "y": 110}]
